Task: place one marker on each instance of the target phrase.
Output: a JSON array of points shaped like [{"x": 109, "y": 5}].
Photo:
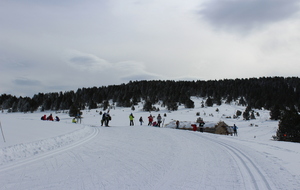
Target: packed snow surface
[{"x": 52, "y": 155}]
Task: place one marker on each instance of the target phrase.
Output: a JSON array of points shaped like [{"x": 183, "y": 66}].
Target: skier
[
  {"x": 107, "y": 118},
  {"x": 141, "y": 120},
  {"x": 57, "y": 118},
  {"x": 150, "y": 118},
  {"x": 177, "y": 124},
  {"x": 235, "y": 130},
  {"x": 201, "y": 126},
  {"x": 103, "y": 118},
  {"x": 159, "y": 120},
  {"x": 131, "y": 117}
]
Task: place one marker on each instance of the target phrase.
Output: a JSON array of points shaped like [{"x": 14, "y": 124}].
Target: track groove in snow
[
  {"x": 46, "y": 154},
  {"x": 258, "y": 180}
]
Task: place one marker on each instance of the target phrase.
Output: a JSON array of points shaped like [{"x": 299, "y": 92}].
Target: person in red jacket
[
  {"x": 50, "y": 117},
  {"x": 150, "y": 118},
  {"x": 44, "y": 117}
]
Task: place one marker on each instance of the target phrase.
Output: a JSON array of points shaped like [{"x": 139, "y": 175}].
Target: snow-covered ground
[{"x": 63, "y": 155}]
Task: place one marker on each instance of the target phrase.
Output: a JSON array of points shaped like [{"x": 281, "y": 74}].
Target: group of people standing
[
  {"x": 155, "y": 124},
  {"x": 105, "y": 119},
  {"x": 150, "y": 120}
]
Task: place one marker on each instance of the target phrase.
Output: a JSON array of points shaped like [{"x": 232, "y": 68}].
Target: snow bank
[{"x": 24, "y": 150}]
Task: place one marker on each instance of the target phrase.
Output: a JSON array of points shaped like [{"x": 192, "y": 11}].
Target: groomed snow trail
[
  {"x": 36, "y": 148},
  {"x": 253, "y": 176},
  {"x": 141, "y": 157}
]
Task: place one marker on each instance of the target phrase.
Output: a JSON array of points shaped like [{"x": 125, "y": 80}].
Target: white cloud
[
  {"x": 132, "y": 70},
  {"x": 86, "y": 62}
]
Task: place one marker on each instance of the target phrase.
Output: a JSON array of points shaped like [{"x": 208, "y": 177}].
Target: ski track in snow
[
  {"x": 260, "y": 170},
  {"x": 41, "y": 154},
  {"x": 256, "y": 178}
]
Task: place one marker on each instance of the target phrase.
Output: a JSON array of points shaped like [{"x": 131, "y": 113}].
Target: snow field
[{"x": 62, "y": 155}]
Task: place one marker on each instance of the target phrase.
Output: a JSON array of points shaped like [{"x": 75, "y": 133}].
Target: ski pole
[{"x": 2, "y": 132}]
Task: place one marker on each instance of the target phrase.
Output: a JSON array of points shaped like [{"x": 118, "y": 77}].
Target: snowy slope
[{"x": 62, "y": 155}]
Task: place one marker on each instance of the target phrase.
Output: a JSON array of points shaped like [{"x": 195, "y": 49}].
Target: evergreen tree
[
  {"x": 242, "y": 101},
  {"x": 238, "y": 113},
  {"x": 275, "y": 112},
  {"x": 229, "y": 99},
  {"x": 189, "y": 103},
  {"x": 172, "y": 106},
  {"x": 217, "y": 100},
  {"x": 246, "y": 114},
  {"x": 252, "y": 116},
  {"x": 209, "y": 102},
  {"x": 147, "y": 106},
  {"x": 92, "y": 105},
  {"x": 132, "y": 108},
  {"x": 14, "y": 107},
  {"x": 202, "y": 105},
  {"x": 134, "y": 100},
  {"x": 105, "y": 105},
  {"x": 74, "y": 111},
  {"x": 289, "y": 126}
]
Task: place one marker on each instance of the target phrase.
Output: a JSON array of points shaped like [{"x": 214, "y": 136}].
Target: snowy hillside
[{"x": 62, "y": 155}]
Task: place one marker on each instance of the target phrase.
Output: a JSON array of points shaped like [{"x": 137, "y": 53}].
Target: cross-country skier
[
  {"x": 150, "y": 118},
  {"x": 141, "y": 120},
  {"x": 131, "y": 117},
  {"x": 159, "y": 120},
  {"x": 235, "y": 130}
]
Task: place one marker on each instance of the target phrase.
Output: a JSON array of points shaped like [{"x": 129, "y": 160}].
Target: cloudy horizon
[{"x": 52, "y": 46}]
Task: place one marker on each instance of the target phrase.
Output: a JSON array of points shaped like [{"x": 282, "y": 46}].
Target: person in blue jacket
[{"x": 235, "y": 130}]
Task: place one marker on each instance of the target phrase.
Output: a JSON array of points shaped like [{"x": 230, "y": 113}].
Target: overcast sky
[{"x": 62, "y": 45}]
